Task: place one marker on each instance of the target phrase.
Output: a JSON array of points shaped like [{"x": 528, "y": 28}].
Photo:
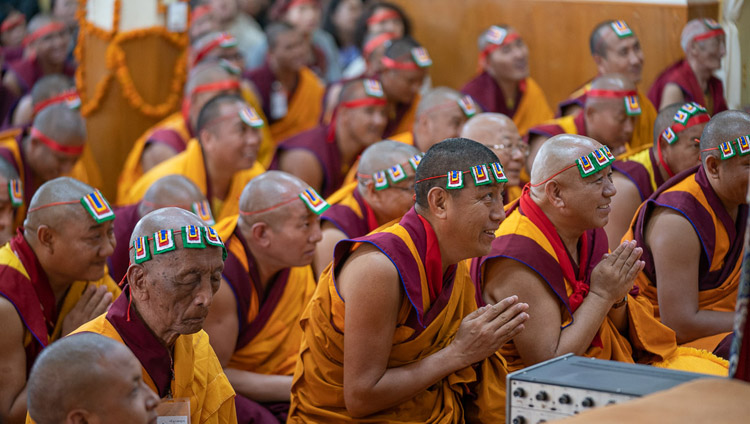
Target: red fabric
[
  {"x": 433, "y": 263},
  {"x": 372, "y": 222},
  {"x": 681, "y": 74}
]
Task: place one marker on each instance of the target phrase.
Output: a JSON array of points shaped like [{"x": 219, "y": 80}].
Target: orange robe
[
  {"x": 423, "y": 328},
  {"x": 406, "y": 137},
  {"x": 190, "y": 164},
  {"x": 402, "y": 119}
]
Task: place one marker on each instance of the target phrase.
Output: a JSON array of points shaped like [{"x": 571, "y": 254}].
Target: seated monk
[
  {"x": 220, "y": 162},
  {"x": 504, "y": 85},
  {"x": 692, "y": 231},
  {"x": 88, "y": 378},
  {"x": 48, "y": 149},
  {"x": 321, "y": 157},
  {"x": 609, "y": 116},
  {"x": 291, "y": 94},
  {"x": 46, "y": 53},
  {"x": 267, "y": 284},
  {"x": 498, "y": 132},
  {"x": 171, "y": 190},
  {"x": 551, "y": 251},
  {"x": 171, "y": 135},
  {"x": 403, "y": 69},
  {"x": 410, "y": 345},
  {"x": 175, "y": 270},
  {"x": 382, "y": 193},
  {"x": 637, "y": 176},
  {"x": 691, "y": 79},
  {"x": 616, "y": 49},
  {"x": 56, "y": 261},
  {"x": 11, "y": 198}
]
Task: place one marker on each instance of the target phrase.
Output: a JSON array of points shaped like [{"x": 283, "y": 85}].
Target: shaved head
[
  {"x": 7, "y": 170},
  {"x": 483, "y": 125},
  {"x": 609, "y": 82},
  {"x": 597, "y": 41},
  {"x": 206, "y": 73},
  {"x": 385, "y": 154},
  {"x": 39, "y": 21},
  {"x": 725, "y": 126},
  {"x": 557, "y": 153},
  {"x": 499, "y": 134},
  {"x": 267, "y": 190},
  {"x": 49, "y": 86},
  {"x": 664, "y": 120},
  {"x": 63, "y": 124},
  {"x": 172, "y": 190},
  {"x": 400, "y": 49},
  {"x": 435, "y": 98},
  {"x": 352, "y": 90},
  {"x": 168, "y": 218},
  {"x": 59, "y": 190}
]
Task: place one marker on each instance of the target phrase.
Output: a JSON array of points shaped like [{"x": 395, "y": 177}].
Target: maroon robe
[
  {"x": 22, "y": 168},
  {"x": 639, "y": 175},
  {"x": 28, "y": 72},
  {"x": 485, "y": 91},
  {"x": 681, "y": 74},
  {"x": 346, "y": 220},
  {"x": 125, "y": 220}
]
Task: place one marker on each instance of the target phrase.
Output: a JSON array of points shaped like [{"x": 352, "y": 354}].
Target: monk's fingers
[
  {"x": 631, "y": 260},
  {"x": 100, "y": 293},
  {"x": 86, "y": 296},
  {"x": 103, "y": 304},
  {"x": 509, "y": 314},
  {"x": 633, "y": 271},
  {"x": 476, "y": 313},
  {"x": 624, "y": 255},
  {"x": 500, "y": 308},
  {"x": 511, "y": 328}
]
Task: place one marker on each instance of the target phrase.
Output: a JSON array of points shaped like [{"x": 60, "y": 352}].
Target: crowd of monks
[{"x": 319, "y": 235}]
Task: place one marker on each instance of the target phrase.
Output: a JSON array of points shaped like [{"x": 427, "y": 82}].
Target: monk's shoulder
[
  {"x": 366, "y": 263},
  {"x": 669, "y": 229}
]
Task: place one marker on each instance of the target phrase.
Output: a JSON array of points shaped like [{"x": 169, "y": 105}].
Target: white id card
[
  {"x": 177, "y": 17},
  {"x": 173, "y": 411},
  {"x": 278, "y": 104}
]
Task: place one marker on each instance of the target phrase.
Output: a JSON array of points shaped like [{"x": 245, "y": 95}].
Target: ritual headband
[
  {"x": 228, "y": 84},
  {"x": 621, "y": 29},
  {"x": 395, "y": 173},
  {"x": 496, "y": 37},
  {"x": 309, "y": 197},
  {"x": 223, "y": 40},
  {"x": 200, "y": 12},
  {"x": 203, "y": 210},
  {"x": 729, "y": 149},
  {"x": 69, "y": 97},
  {"x": 15, "y": 192},
  {"x": 466, "y": 103},
  {"x": 248, "y": 115},
  {"x": 376, "y": 42},
  {"x": 714, "y": 30},
  {"x": 632, "y": 107},
  {"x": 193, "y": 237},
  {"x": 12, "y": 21},
  {"x": 94, "y": 203},
  {"x": 383, "y": 15},
  {"x": 374, "y": 92},
  {"x": 420, "y": 59},
  {"x": 587, "y": 165},
  {"x": 690, "y": 114},
  {"x": 43, "y": 31},
  {"x": 482, "y": 174},
  {"x": 54, "y": 145}
]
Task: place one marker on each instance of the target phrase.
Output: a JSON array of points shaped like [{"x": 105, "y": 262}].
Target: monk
[
  {"x": 291, "y": 94},
  {"x": 176, "y": 264},
  {"x": 49, "y": 90},
  {"x": 169, "y": 191},
  {"x": 504, "y": 85},
  {"x": 48, "y": 149},
  {"x": 403, "y": 69},
  {"x": 11, "y": 198},
  {"x": 382, "y": 193},
  {"x": 56, "y": 261},
  {"x": 616, "y": 49},
  {"x": 170, "y": 136},
  {"x": 498, "y": 132},
  {"x": 692, "y": 231},
  {"x": 321, "y": 157},
  {"x": 691, "y": 79},
  {"x": 89, "y": 378},
  {"x": 220, "y": 162},
  {"x": 637, "y": 176},
  {"x": 412, "y": 324},
  {"x": 267, "y": 282},
  {"x": 612, "y": 104},
  {"x": 46, "y": 53}
]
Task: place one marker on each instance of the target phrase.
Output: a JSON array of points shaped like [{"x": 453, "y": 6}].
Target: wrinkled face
[
  {"x": 402, "y": 85},
  {"x": 510, "y": 61},
  {"x": 365, "y": 123},
  {"x": 587, "y": 199},
  {"x": 305, "y": 17},
  {"x": 393, "y": 25},
  {"x": 7, "y": 213},
  {"x": 231, "y": 142},
  {"x": 48, "y": 164},
  {"x": 80, "y": 247},
  {"x": 444, "y": 121},
  {"x": 202, "y": 26},
  {"x": 393, "y": 202},
  {"x": 710, "y": 51},
  {"x": 53, "y": 47},
  {"x": 686, "y": 152},
  {"x": 733, "y": 177},
  {"x": 624, "y": 56},
  {"x": 65, "y": 10},
  {"x": 611, "y": 125},
  {"x": 478, "y": 212},
  {"x": 180, "y": 286},
  {"x": 510, "y": 148},
  {"x": 14, "y": 36},
  {"x": 223, "y": 10},
  {"x": 346, "y": 14},
  {"x": 291, "y": 51},
  {"x": 294, "y": 239},
  {"x": 125, "y": 398}
]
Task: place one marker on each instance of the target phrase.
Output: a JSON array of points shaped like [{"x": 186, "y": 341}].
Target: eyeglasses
[{"x": 522, "y": 148}]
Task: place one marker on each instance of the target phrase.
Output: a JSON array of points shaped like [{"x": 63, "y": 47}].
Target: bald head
[
  {"x": 267, "y": 190},
  {"x": 383, "y": 155},
  {"x": 168, "y": 218},
  {"x": 50, "y": 86},
  {"x": 65, "y": 190},
  {"x": 557, "y": 153},
  {"x": 400, "y": 49},
  {"x": 39, "y": 21},
  {"x": 63, "y": 124},
  {"x": 172, "y": 190},
  {"x": 437, "y": 97},
  {"x": 616, "y": 82},
  {"x": 725, "y": 126},
  {"x": 664, "y": 120},
  {"x": 206, "y": 73},
  {"x": 7, "y": 170},
  {"x": 597, "y": 40},
  {"x": 484, "y": 125},
  {"x": 352, "y": 90}
]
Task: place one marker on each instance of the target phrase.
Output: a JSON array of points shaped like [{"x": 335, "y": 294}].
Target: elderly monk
[
  {"x": 609, "y": 116},
  {"x": 637, "y": 176},
  {"x": 171, "y": 190},
  {"x": 46, "y": 53},
  {"x": 48, "y": 149},
  {"x": 291, "y": 94},
  {"x": 89, "y": 378},
  {"x": 616, "y": 49},
  {"x": 11, "y": 198},
  {"x": 692, "y": 231},
  {"x": 56, "y": 261},
  {"x": 403, "y": 69},
  {"x": 322, "y": 156},
  {"x": 551, "y": 251},
  {"x": 267, "y": 283},
  {"x": 504, "y": 85},
  {"x": 50, "y": 89},
  {"x": 382, "y": 193},
  {"x": 413, "y": 323},
  {"x": 221, "y": 161},
  {"x": 691, "y": 79},
  {"x": 499, "y": 134},
  {"x": 176, "y": 264}
]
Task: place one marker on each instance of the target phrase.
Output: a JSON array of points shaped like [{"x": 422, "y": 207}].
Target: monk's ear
[
  {"x": 437, "y": 199},
  {"x": 46, "y": 237},
  {"x": 78, "y": 416},
  {"x": 554, "y": 195},
  {"x": 711, "y": 165},
  {"x": 137, "y": 280},
  {"x": 260, "y": 234},
  {"x": 600, "y": 62}
]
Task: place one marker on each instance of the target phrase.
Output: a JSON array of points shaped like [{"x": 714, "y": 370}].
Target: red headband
[
  {"x": 376, "y": 42},
  {"x": 392, "y": 64},
  {"x": 200, "y": 12},
  {"x": 709, "y": 34},
  {"x": 364, "y": 102},
  {"x": 216, "y": 86},
  {"x": 697, "y": 119},
  {"x": 43, "y": 31},
  {"x": 611, "y": 94},
  {"x": 490, "y": 47},
  {"x": 222, "y": 38},
  {"x": 52, "y": 144},
  {"x": 383, "y": 15},
  {"x": 70, "y": 202},
  {"x": 270, "y": 208},
  {"x": 553, "y": 175},
  {"x": 68, "y": 95},
  {"x": 12, "y": 21}
]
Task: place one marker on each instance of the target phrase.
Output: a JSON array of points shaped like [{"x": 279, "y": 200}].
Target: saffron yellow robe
[{"x": 303, "y": 110}]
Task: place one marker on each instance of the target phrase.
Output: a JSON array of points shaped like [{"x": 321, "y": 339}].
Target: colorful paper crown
[
  {"x": 193, "y": 237},
  {"x": 688, "y": 115},
  {"x": 595, "y": 161},
  {"x": 495, "y": 35},
  {"x": 373, "y": 88},
  {"x": 468, "y": 106},
  {"x": 313, "y": 201},
  {"x": 98, "y": 207},
  {"x": 711, "y": 23},
  {"x": 482, "y": 174},
  {"x": 621, "y": 29},
  {"x": 421, "y": 57},
  {"x": 250, "y": 117},
  {"x": 15, "y": 192},
  {"x": 632, "y": 107},
  {"x": 729, "y": 149},
  {"x": 395, "y": 173},
  {"x": 203, "y": 210}
]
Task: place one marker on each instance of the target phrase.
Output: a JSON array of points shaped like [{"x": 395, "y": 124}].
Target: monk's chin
[{"x": 191, "y": 326}]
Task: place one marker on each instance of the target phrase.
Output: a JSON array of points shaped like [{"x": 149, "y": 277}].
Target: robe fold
[
  {"x": 125, "y": 220},
  {"x": 681, "y": 73},
  {"x": 28, "y": 71},
  {"x": 642, "y": 169},
  {"x": 401, "y": 119},
  {"x": 428, "y": 318},
  {"x": 531, "y": 107},
  {"x": 191, "y": 164},
  {"x": 350, "y": 213}
]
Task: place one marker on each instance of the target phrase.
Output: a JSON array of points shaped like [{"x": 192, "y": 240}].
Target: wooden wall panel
[{"x": 557, "y": 33}]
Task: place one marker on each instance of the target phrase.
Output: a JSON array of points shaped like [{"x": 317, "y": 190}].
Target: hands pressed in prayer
[
  {"x": 94, "y": 301},
  {"x": 614, "y": 276}
]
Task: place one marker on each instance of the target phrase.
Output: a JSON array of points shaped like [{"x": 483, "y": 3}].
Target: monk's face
[
  {"x": 443, "y": 121},
  {"x": 198, "y": 100},
  {"x": 686, "y": 152},
  {"x": 366, "y": 124},
  {"x": 510, "y": 61},
  {"x": 709, "y": 52},
  {"x": 232, "y": 142},
  {"x": 294, "y": 236},
  {"x": 476, "y": 213},
  {"x": 7, "y": 213},
  {"x": 125, "y": 398},
  {"x": 401, "y": 85},
  {"x": 393, "y": 25},
  {"x": 49, "y": 164},
  {"x": 509, "y": 147},
  {"x": 202, "y": 26},
  {"x": 80, "y": 247},
  {"x": 304, "y": 16},
  {"x": 586, "y": 200},
  {"x": 609, "y": 124},
  {"x": 623, "y": 56},
  {"x": 733, "y": 178},
  {"x": 223, "y": 10},
  {"x": 291, "y": 51},
  {"x": 53, "y": 47},
  {"x": 14, "y": 36},
  {"x": 393, "y": 202}
]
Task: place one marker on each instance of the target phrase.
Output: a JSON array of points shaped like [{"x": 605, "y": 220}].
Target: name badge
[
  {"x": 278, "y": 104},
  {"x": 173, "y": 411},
  {"x": 177, "y": 17}
]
